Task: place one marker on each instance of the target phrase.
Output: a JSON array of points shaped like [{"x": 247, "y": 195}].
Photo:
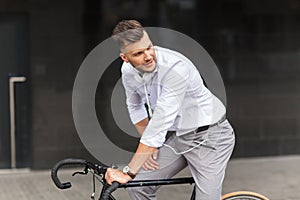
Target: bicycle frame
[
  {"x": 144, "y": 183},
  {"x": 99, "y": 172},
  {"x": 172, "y": 181}
]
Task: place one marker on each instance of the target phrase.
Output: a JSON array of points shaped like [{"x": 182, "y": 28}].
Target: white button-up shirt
[{"x": 177, "y": 96}]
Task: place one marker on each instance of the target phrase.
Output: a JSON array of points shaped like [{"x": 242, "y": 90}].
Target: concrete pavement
[{"x": 276, "y": 177}]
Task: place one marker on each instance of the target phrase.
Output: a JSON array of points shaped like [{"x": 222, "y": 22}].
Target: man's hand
[
  {"x": 151, "y": 163},
  {"x": 116, "y": 175}
]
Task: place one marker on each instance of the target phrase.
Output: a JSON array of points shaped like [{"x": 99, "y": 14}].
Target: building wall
[
  {"x": 255, "y": 47},
  {"x": 57, "y": 51}
]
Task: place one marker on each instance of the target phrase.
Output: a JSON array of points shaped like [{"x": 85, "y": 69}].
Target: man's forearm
[
  {"x": 142, "y": 154},
  {"x": 141, "y": 125}
]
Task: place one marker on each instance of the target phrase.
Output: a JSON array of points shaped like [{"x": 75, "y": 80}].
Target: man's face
[{"x": 140, "y": 55}]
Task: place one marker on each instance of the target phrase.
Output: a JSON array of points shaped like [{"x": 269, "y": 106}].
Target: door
[{"x": 14, "y": 61}]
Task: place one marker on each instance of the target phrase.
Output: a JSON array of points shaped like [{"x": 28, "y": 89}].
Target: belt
[{"x": 204, "y": 128}]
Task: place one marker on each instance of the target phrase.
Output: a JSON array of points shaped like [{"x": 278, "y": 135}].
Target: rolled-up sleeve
[{"x": 135, "y": 105}]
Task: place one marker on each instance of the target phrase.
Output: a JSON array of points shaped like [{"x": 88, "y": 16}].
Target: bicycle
[{"x": 99, "y": 170}]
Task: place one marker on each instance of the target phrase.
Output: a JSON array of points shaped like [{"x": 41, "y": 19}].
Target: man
[{"x": 178, "y": 103}]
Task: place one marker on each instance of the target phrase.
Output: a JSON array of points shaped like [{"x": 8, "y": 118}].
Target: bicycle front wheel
[{"x": 243, "y": 195}]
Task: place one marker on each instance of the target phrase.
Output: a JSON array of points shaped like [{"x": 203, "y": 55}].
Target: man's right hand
[{"x": 151, "y": 163}]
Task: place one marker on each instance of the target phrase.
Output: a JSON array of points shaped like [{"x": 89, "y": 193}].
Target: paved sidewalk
[{"x": 276, "y": 177}]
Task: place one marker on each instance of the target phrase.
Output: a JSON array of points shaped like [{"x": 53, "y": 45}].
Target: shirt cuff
[
  {"x": 155, "y": 142},
  {"x": 138, "y": 116}
]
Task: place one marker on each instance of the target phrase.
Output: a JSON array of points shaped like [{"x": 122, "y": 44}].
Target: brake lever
[
  {"x": 80, "y": 173},
  {"x": 84, "y": 172}
]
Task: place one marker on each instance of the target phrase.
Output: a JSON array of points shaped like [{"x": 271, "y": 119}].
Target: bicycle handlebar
[
  {"x": 68, "y": 161},
  {"x": 97, "y": 169},
  {"x": 109, "y": 190}
]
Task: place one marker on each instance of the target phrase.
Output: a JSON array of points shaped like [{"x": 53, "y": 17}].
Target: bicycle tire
[{"x": 244, "y": 195}]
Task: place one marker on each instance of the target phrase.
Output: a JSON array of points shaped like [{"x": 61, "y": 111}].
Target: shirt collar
[{"x": 144, "y": 77}]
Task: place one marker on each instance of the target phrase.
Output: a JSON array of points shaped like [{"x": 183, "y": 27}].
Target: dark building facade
[{"x": 255, "y": 45}]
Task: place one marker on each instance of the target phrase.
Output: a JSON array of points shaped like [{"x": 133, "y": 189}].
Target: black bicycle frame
[
  {"x": 141, "y": 183},
  {"x": 144, "y": 183},
  {"x": 100, "y": 170}
]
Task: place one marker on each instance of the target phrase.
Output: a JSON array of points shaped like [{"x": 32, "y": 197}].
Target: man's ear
[{"x": 124, "y": 58}]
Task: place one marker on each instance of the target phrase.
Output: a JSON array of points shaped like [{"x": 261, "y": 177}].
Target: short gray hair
[{"x": 127, "y": 32}]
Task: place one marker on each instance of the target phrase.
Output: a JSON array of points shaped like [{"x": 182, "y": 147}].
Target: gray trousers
[{"x": 206, "y": 154}]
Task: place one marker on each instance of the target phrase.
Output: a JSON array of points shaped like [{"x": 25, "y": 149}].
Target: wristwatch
[{"x": 126, "y": 170}]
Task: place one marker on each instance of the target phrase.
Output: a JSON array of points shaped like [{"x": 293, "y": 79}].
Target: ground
[{"x": 276, "y": 177}]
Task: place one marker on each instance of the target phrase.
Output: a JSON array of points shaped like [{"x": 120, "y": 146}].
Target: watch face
[{"x": 126, "y": 169}]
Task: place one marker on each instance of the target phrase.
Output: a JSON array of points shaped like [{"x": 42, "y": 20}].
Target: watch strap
[{"x": 131, "y": 175}]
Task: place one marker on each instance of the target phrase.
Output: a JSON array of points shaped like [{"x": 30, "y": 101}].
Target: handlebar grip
[
  {"x": 109, "y": 190},
  {"x": 58, "y": 165}
]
